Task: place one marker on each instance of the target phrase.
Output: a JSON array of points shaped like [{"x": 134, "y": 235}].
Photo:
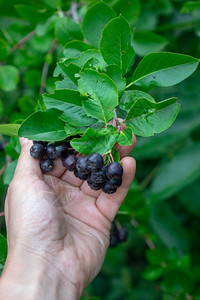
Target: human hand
[{"x": 58, "y": 228}]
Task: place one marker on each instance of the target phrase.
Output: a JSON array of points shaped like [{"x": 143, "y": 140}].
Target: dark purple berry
[
  {"x": 106, "y": 188},
  {"x": 113, "y": 241},
  {"x": 114, "y": 170},
  {"x": 61, "y": 150},
  {"x": 95, "y": 162},
  {"x": 115, "y": 183},
  {"x": 69, "y": 162},
  {"x": 46, "y": 165},
  {"x": 81, "y": 176},
  {"x": 37, "y": 151},
  {"x": 93, "y": 185},
  {"x": 81, "y": 165},
  {"x": 50, "y": 151},
  {"x": 123, "y": 234},
  {"x": 100, "y": 176},
  {"x": 40, "y": 142}
]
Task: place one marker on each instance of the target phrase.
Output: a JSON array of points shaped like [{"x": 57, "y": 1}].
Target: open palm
[{"x": 59, "y": 218}]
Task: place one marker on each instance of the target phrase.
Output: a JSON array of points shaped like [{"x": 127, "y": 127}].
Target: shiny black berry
[
  {"x": 69, "y": 162},
  {"x": 95, "y": 162},
  {"x": 50, "y": 151},
  {"x": 81, "y": 176},
  {"x": 40, "y": 142},
  {"x": 46, "y": 165},
  {"x": 93, "y": 185},
  {"x": 61, "y": 150},
  {"x": 106, "y": 188},
  {"x": 37, "y": 151},
  {"x": 115, "y": 183},
  {"x": 100, "y": 176},
  {"x": 122, "y": 234},
  {"x": 113, "y": 241},
  {"x": 114, "y": 170},
  {"x": 81, "y": 165}
]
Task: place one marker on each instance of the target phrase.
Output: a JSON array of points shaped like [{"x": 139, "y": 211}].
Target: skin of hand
[{"x": 57, "y": 228}]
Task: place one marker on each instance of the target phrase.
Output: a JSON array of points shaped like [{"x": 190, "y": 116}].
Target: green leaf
[
  {"x": 125, "y": 137},
  {"x": 13, "y": 148},
  {"x": 66, "y": 30},
  {"x": 190, "y": 6},
  {"x": 65, "y": 84},
  {"x": 53, "y": 3},
  {"x": 44, "y": 125},
  {"x": 115, "y": 44},
  {"x": 4, "y": 49},
  {"x": 70, "y": 103},
  {"x": 182, "y": 170},
  {"x": 92, "y": 53},
  {"x": 155, "y": 121},
  {"x": 100, "y": 141},
  {"x": 152, "y": 272},
  {"x": 130, "y": 97},
  {"x": 73, "y": 130},
  {"x": 9, "y": 129},
  {"x": 31, "y": 13},
  {"x": 3, "y": 249},
  {"x": 115, "y": 73},
  {"x": 9, "y": 172},
  {"x": 70, "y": 70},
  {"x": 9, "y": 78},
  {"x": 130, "y": 9},
  {"x": 95, "y": 20},
  {"x": 102, "y": 92},
  {"x": 145, "y": 42},
  {"x": 163, "y": 69},
  {"x": 74, "y": 49}
]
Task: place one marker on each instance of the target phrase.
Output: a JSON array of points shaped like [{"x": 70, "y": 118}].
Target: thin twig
[
  {"x": 85, "y": 295},
  {"x": 23, "y": 41},
  {"x": 149, "y": 178},
  {"x": 147, "y": 239},
  {"x": 2, "y": 214},
  {"x": 73, "y": 12},
  {"x": 2, "y": 170},
  {"x": 46, "y": 68}
]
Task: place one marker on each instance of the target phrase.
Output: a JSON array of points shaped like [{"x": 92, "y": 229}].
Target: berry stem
[
  {"x": 118, "y": 224},
  {"x": 111, "y": 156},
  {"x": 2, "y": 214}
]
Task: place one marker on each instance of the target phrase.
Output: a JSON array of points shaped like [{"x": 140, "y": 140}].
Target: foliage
[{"x": 94, "y": 59}]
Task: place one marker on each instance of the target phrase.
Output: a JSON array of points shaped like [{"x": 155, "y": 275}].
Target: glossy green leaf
[
  {"x": 65, "y": 84},
  {"x": 74, "y": 49},
  {"x": 44, "y": 125},
  {"x": 130, "y": 97},
  {"x": 163, "y": 69},
  {"x": 182, "y": 170},
  {"x": 100, "y": 141},
  {"x": 73, "y": 130},
  {"x": 115, "y": 44},
  {"x": 102, "y": 92},
  {"x": 115, "y": 73},
  {"x": 97, "y": 16},
  {"x": 130, "y": 9},
  {"x": 145, "y": 42},
  {"x": 3, "y": 249},
  {"x": 9, "y": 78},
  {"x": 70, "y": 103},
  {"x": 9, "y": 129},
  {"x": 92, "y": 53},
  {"x": 9, "y": 172},
  {"x": 152, "y": 272},
  {"x": 70, "y": 70},
  {"x": 154, "y": 121},
  {"x": 125, "y": 137},
  {"x": 66, "y": 30}
]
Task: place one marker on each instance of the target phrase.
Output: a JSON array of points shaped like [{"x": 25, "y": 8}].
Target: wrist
[{"x": 30, "y": 277}]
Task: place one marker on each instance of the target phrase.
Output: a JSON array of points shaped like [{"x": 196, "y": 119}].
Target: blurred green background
[{"x": 161, "y": 259}]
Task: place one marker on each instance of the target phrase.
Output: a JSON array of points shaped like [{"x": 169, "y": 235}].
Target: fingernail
[{"x": 23, "y": 141}]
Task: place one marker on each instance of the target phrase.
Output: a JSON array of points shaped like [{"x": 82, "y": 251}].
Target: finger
[
  {"x": 107, "y": 204},
  {"x": 70, "y": 178},
  {"x": 27, "y": 166},
  {"x": 87, "y": 190},
  {"x": 58, "y": 169}
]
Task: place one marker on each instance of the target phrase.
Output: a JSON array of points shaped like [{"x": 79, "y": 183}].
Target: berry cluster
[
  {"x": 90, "y": 168},
  {"x": 117, "y": 235}
]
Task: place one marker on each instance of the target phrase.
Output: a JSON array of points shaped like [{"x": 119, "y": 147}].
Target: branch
[
  {"x": 2, "y": 214},
  {"x": 46, "y": 68},
  {"x": 23, "y": 41}
]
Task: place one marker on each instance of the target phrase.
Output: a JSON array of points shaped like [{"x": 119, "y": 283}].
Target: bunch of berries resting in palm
[
  {"x": 117, "y": 235},
  {"x": 90, "y": 168}
]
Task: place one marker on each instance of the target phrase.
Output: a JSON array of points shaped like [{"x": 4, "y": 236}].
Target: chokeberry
[
  {"x": 50, "y": 151},
  {"x": 46, "y": 165},
  {"x": 69, "y": 162},
  {"x": 115, "y": 183},
  {"x": 114, "y": 170},
  {"x": 81, "y": 165},
  {"x": 93, "y": 185},
  {"x": 81, "y": 176},
  {"x": 113, "y": 241},
  {"x": 100, "y": 176},
  {"x": 61, "y": 150},
  {"x": 40, "y": 142},
  {"x": 37, "y": 151},
  {"x": 122, "y": 234},
  {"x": 106, "y": 188},
  {"x": 95, "y": 162}
]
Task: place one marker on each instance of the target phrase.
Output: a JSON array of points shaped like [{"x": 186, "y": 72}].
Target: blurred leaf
[
  {"x": 130, "y": 9},
  {"x": 33, "y": 78},
  {"x": 192, "y": 204},
  {"x": 152, "y": 272},
  {"x": 13, "y": 148},
  {"x": 31, "y": 14},
  {"x": 53, "y": 3},
  {"x": 190, "y": 6},
  {"x": 66, "y": 30},
  {"x": 9, "y": 129},
  {"x": 9, "y": 77},
  {"x": 3, "y": 249},
  {"x": 4, "y": 49},
  {"x": 9, "y": 173}
]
